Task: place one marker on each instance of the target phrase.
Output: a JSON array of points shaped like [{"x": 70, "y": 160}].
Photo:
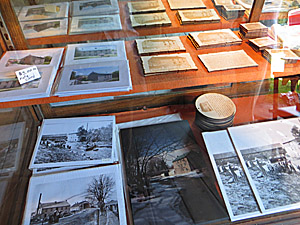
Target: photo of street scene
[
  {"x": 29, "y": 60},
  {"x": 100, "y": 51},
  {"x": 80, "y": 197},
  {"x": 94, "y": 75},
  {"x": 164, "y": 169},
  {"x": 64, "y": 142}
]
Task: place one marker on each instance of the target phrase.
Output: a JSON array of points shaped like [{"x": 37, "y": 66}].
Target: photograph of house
[
  {"x": 29, "y": 60},
  {"x": 94, "y": 75},
  {"x": 95, "y": 52},
  {"x": 94, "y": 4},
  {"x": 42, "y": 26},
  {"x": 89, "y": 23},
  {"x": 164, "y": 170}
]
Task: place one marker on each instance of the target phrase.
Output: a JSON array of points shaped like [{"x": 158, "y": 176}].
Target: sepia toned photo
[
  {"x": 155, "y": 45},
  {"x": 74, "y": 141},
  {"x": 150, "y": 19},
  {"x": 188, "y": 4},
  {"x": 197, "y": 16},
  {"x": 88, "y": 196},
  {"x": 164, "y": 170},
  {"x": 168, "y": 63},
  {"x": 146, "y": 6},
  {"x": 95, "y": 7}
]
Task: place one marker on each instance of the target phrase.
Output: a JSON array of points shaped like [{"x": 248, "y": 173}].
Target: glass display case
[{"x": 145, "y": 64}]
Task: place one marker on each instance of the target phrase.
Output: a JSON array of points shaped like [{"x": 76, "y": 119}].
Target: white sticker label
[
  {"x": 277, "y": 62},
  {"x": 50, "y": 8},
  {"x": 28, "y": 74}
]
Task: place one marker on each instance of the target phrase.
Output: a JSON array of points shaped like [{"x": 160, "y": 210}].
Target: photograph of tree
[
  {"x": 273, "y": 161},
  {"x": 74, "y": 141},
  {"x": 165, "y": 176},
  {"x": 94, "y": 75},
  {"x": 89, "y": 196}
]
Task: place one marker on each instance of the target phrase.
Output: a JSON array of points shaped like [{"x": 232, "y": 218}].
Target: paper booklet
[{"x": 257, "y": 167}]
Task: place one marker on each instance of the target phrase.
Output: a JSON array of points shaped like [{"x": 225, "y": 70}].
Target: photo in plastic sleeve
[
  {"x": 164, "y": 176},
  {"x": 235, "y": 188},
  {"x": 95, "y": 52},
  {"x": 75, "y": 198},
  {"x": 271, "y": 154},
  {"x": 75, "y": 142},
  {"x": 95, "y": 7}
]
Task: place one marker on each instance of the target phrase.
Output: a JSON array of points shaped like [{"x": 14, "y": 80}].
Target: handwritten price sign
[{"x": 28, "y": 74}]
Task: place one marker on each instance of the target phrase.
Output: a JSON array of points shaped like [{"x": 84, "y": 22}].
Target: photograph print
[
  {"x": 233, "y": 183},
  {"x": 271, "y": 154},
  {"x": 165, "y": 178},
  {"x": 88, "y": 196},
  {"x": 75, "y": 142}
]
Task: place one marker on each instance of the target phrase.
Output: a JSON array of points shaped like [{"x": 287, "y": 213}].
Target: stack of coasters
[
  {"x": 197, "y": 16},
  {"x": 187, "y": 4},
  {"x": 229, "y": 12},
  {"x": 214, "y": 111},
  {"x": 150, "y": 19},
  {"x": 214, "y": 38},
  {"x": 158, "y": 64},
  {"x": 145, "y": 7},
  {"x": 259, "y": 44},
  {"x": 289, "y": 56},
  {"x": 253, "y": 30}
]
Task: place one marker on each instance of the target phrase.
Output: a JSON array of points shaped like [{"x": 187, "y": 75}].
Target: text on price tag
[{"x": 28, "y": 74}]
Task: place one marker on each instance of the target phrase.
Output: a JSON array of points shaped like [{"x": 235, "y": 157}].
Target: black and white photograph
[
  {"x": 94, "y": 78},
  {"x": 44, "y": 12},
  {"x": 95, "y": 52},
  {"x": 90, "y": 24},
  {"x": 21, "y": 59},
  {"x": 233, "y": 183},
  {"x": 44, "y": 28},
  {"x": 95, "y": 7},
  {"x": 75, "y": 142},
  {"x": 10, "y": 146},
  {"x": 89, "y": 196},
  {"x": 270, "y": 152},
  {"x": 165, "y": 176}
]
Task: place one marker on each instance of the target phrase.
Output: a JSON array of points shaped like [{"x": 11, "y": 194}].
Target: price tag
[
  {"x": 277, "y": 62},
  {"x": 51, "y": 8},
  {"x": 28, "y": 74}
]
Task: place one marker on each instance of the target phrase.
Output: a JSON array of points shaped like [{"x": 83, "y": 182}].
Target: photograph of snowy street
[
  {"x": 74, "y": 143},
  {"x": 164, "y": 169}
]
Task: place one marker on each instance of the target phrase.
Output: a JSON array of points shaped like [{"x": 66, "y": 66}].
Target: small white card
[
  {"x": 51, "y": 8},
  {"x": 277, "y": 62},
  {"x": 28, "y": 74}
]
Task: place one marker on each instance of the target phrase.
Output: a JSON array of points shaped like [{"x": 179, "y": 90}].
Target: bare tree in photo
[{"x": 100, "y": 189}]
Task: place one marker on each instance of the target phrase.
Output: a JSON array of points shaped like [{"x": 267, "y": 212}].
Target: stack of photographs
[
  {"x": 94, "y": 68},
  {"x": 227, "y": 60},
  {"x": 199, "y": 16},
  {"x": 168, "y": 178},
  {"x": 94, "y": 7},
  {"x": 260, "y": 44},
  {"x": 150, "y": 19},
  {"x": 159, "y": 45},
  {"x": 229, "y": 12},
  {"x": 253, "y": 30},
  {"x": 146, "y": 7},
  {"x": 214, "y": 111},
  {"x": 188, "y": 4},
  {"x": 287, "y": 54},
  {"x": 47, "y": 62},
  {"x": 157, "y": 64},
  {"x": 219, "y": 3},
  {"x": 44, "y": 20},
  {"x": 257, "y": 167},
  {"x": 214, "y": 38}
]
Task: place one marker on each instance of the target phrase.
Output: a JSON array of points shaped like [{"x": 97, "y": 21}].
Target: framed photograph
[
  {"x": 74, "y": 197},
  {"x": 95, "y": 52},
  {"x": 75, "y": 142},
  {"x": 270, "y": 153},
  {"x": 11, "y": 146},
  {"x": 146, "y": 7},
  {"x": 94, "y": 7},
  {"x": 94, "y": 78},
  {"x": 235, "y": 188},
  {"x": 159, "y": 45},
  {"x": 214, "y": 38},
  {"x": 187, "y": 4},
  {"x": 88, "y": 24},
  {"x": 44, "y": 28},
  {"x": 227, "y": 60},
  {"x": 167, "y": 63},
  {"x": 150, "y": 19},
  {"x": 17, "y": 60},
  {"x": 165, "y": 167},
  {"x": 11, "y": 90},
  {"x": 44, "y": 12},
  {"x": 197, "y": 16}
]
